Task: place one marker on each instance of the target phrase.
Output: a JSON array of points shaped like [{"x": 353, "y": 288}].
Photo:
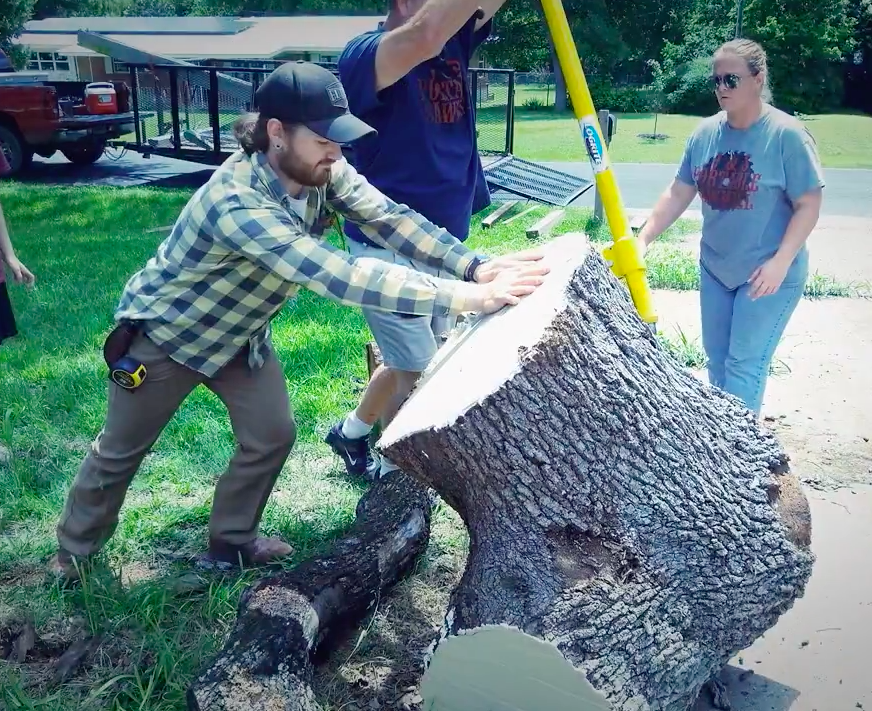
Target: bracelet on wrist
[{"x": 477, "y": 261}]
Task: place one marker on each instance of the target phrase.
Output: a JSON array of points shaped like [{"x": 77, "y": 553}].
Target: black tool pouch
[{"x": 118, "y": 342}]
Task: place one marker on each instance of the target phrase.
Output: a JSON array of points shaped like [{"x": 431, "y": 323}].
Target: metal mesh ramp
[{"x": 535, "y": 181}]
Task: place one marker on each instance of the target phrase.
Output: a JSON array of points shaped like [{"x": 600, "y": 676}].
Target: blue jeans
[{"x": 740, "y": 335}]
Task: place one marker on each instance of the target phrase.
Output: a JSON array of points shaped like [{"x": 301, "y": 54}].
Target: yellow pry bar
[{"x": 624, "y": 254}]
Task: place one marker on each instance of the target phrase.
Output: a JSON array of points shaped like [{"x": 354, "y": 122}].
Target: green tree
[
  {"x": 13, "y": 15},
  {"x": 287, "y": 7},
  {"x": 518, "y": 40},
  {"x": 55, "y": 8},
  {"x": 806, "y": 42}
]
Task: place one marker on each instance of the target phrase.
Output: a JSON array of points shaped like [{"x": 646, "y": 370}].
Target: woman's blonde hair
[{"x": 754, "y": 56}]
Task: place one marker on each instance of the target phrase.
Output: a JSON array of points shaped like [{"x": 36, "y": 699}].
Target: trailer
[{"x": 187, "y": 112}]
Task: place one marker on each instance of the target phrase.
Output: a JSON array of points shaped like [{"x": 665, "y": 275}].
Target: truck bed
[
  {"x": 23, "y": 78},
  {"x": 88, "y": 121}
]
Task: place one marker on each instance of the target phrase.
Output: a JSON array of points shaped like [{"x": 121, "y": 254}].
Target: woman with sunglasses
[{"x": 758, "y": 175}]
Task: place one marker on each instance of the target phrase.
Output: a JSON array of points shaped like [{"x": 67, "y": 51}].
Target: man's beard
[{"x": 308, "y": 175}]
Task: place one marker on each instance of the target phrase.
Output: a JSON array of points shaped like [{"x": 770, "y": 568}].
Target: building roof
[
  {"x": 254, "y": 38},
  {"x": 138, "y": 25}
]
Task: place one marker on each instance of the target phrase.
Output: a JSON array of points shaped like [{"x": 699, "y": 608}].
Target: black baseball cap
[{"x": 305, "y": 93}]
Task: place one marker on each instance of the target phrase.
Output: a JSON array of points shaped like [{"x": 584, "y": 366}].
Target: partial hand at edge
[{"x": 21, "y": 273}]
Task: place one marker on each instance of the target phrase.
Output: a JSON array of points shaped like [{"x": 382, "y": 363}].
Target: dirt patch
[
  {"x": 817, "y": 399},
  {"x": 816, "y": 657},
  {"x": 49, "y": 657}
]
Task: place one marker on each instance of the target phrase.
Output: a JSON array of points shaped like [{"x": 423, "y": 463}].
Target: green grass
[
  {"x": 543, "y": 134},
  {"x": 157, "y": 620},
  {"x": 671, "y": 266},
  {"x": 843, "y": 139}
]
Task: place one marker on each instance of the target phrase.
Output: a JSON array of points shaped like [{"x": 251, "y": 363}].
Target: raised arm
[
  {"x": 421, "y": 38},
  {"x": 396, "y": 226}
]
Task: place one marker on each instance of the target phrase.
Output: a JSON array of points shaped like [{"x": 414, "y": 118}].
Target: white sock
[
  {"x": 355, "y": 428},
  {"x": 387, "y": 466}
]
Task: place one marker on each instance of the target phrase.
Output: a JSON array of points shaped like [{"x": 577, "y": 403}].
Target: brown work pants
[{"x": 260, "y": 414}]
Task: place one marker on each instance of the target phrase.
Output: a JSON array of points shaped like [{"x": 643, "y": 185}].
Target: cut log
[
  {"x": 619, "y": 509},
  {"x": 373, "y": 357},
  {"x": 495, "y": 216},
  {"x": 284, "y": 620},
  {"x": 519, "y": 215},
  {"x": 544, "y": 226}
]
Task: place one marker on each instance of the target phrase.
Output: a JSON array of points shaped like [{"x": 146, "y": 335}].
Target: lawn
[
  {"x": 844, "y": 140},
  {"x": 158, "y": 621}
]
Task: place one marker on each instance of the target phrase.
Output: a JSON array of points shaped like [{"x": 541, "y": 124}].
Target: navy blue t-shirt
[{"x": 426, "y": 154}]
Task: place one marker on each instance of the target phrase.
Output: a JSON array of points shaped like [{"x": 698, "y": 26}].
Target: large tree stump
[{"x": 633, "y": 518}]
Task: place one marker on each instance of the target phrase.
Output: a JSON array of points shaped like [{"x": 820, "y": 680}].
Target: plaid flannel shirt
[{"x": 239, "y": 251}]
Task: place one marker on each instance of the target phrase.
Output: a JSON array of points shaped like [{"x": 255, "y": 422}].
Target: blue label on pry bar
[{"x": 593, "y": 144}]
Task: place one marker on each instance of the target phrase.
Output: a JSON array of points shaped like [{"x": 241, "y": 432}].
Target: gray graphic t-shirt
[{"x": 747, "y": 180}]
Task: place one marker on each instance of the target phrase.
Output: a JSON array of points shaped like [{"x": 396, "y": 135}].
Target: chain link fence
[
  {"x": 188, "y": 93},
  {"x": 535, "y": 90},
  {"x": 493, "y": 93}
]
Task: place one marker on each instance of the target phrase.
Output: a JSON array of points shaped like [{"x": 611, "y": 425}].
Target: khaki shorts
[{"x": 406, "y": 342}]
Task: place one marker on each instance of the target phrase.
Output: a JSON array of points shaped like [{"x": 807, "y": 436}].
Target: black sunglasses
[{"x": 730, "y": 81}]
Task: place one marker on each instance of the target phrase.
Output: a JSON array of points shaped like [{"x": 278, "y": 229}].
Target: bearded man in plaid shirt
[{"x": 198, "y": 313}]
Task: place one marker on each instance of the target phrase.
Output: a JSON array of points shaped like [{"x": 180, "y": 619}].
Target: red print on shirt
[
  {"x": 443, "y": 93},
  {"x": 727, "y": 181}
]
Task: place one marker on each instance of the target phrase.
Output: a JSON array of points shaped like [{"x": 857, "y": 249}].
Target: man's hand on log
[
  {"x": 528, "y": 260},
  {"x": 506, "y": 289}
]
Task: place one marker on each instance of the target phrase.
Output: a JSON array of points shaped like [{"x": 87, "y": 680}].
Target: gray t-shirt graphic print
[{"x": 747, "y": 181}]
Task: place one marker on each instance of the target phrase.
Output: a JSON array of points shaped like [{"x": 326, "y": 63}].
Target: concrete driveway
[
  {"x": 817, "y": 657},
  {"x": 848, "y": 192},
  {"x": 119, "y": 168}
]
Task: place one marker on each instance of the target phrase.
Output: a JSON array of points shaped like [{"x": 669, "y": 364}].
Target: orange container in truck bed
[{"x": 100, "y": 98}]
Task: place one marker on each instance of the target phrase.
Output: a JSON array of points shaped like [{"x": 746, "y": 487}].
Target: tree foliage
[
  {"x": 13, "y": 15},
  {"x": 806, "y": 42},
  {"x": 810, "y": 43}
]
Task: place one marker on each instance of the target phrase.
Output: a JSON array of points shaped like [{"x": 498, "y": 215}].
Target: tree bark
[
  {"x": 618, "y": 507},
  {"x": 282, "y": 621},
  {"x": 561, "y": 96}
]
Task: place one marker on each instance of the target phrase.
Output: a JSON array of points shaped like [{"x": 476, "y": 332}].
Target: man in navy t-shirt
[{"x": 408, "y": 79}]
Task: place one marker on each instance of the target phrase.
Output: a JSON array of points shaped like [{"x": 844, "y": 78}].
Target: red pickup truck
[{"x": 39, "y": 117}]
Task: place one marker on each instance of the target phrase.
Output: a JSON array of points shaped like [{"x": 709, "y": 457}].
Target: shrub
[
  {"x": 687, "y": 88},
  {"x": 621, "y": 99},
  {"x": 535, "y": 104}
]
